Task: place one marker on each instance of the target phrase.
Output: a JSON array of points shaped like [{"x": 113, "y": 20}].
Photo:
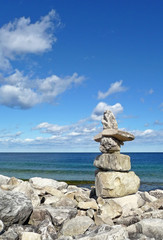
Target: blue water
[{"x": 78, "y": 166}]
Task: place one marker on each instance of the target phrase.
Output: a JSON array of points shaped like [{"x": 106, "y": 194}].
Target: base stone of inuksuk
[{"x": 113, "y": 177}]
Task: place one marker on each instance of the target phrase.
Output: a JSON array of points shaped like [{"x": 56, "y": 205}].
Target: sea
[{"x": 77, "y": 168}]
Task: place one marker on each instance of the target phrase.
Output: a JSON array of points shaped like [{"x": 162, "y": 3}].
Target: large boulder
[
  {"x": 116, "y": 184},
  {"x": 113, "y": 161},
  {"x": 14, "y": 207}
]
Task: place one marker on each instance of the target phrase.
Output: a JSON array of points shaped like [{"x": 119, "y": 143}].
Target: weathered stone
[
  {"x": 47, "y": 230},
  {"x": 59, "y": 215},
  {"x": 53, "y": 191},
  {"x": 4, "y": 179},
  {"x": 158, "y": 193},
  {"x": 38, "y": 215},
  {"x": 150, "y": 206},
  {"x": 76, "y": 226},
  {"x": 147, "y": 197},
  {"x": 31, "y": 236},
  {"x": 109, "y": 121},
  {"x": 9, "y": 235},
  {"x": 27, "y": 190},
  {"x": 110, "y": 209},
  {"x": 113, "y": 161},
  {"x": 114, "y": 133},
  {"x": 102, "y": 219},
  {"x": 40, "y": 183},
  {"x": 152, "y": 228},
  {"x": 64, "y": 202},
  {"x": 119, "y": 135},
  {"x": 87, "y": 205},
  {"x": 128, "y": 203},
  {"x": 109, "y": 144},
  {"x": 14, "y": 207},
  {"x": 14, "y": 181},
  {"x": 106, "y": 232},
  {"x": 116, "y": 184},
  {"x": 152, "y": 214}
]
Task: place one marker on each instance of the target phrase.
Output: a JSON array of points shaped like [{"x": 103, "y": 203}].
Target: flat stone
[
  {"x": 41, "y": 183},
  {"x": 88, "y": 205},
  {"x": 116, "y": 184},
  {"x": 31, "y": 236},
  {"x": 118, "y": 134},
  {"x": 113, "y": 161}
]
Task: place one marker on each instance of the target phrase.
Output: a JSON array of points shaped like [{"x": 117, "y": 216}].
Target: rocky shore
[{"x": 45, "y": 209}]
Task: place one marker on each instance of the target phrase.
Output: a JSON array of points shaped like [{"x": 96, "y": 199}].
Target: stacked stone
[{"x": 113, "y": 177}]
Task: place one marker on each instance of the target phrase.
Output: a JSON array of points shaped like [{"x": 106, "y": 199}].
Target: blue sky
[{"x": 64, "y": 62}]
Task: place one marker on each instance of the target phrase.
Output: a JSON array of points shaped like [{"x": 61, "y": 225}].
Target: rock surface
[
  {"x": 116, "y": 184},
  {"x": 113, "y": 161},
  {"x": 14, "y": 207},
  {"x": 77, "y": 213}
]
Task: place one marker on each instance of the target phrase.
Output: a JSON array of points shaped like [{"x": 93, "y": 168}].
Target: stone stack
[{"x": 113, "y": 177}]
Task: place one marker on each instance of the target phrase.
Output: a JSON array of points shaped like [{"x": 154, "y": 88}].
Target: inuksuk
[{"x": 113, "y": 177}]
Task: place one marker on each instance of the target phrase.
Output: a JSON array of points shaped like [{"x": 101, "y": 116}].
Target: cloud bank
[{"x": 21, "y": 36}]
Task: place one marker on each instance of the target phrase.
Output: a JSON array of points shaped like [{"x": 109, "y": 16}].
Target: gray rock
[
  {"x": 47, "y": 230},
  {"x": 38, "y": 215},
  {"x": 158, "y": 193},
  {"x": 64, "y": 202},
  {"x": 109, "y": 144},
  {"x": 76, "y": 226},
  {"x": 106, "y": 232},
  {"x": 113, "y": 161},
  {"x": 9, "y": 235},
  {"x": 14, "y": 207},
  {"x": 116, "y": 184},
  {"x": 152, "y": 228},
  {"x": 109, "y": 121}
]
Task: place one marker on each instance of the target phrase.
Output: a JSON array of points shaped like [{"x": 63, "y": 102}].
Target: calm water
[{"x": 78, "y": 166}]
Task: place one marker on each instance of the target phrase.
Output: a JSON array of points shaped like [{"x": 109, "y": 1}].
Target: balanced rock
[
  {"x": 116, "y": 184},
  {"x": 113, "y": 161}
]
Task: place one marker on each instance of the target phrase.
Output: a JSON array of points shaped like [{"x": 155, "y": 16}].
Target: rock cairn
[{"x": 113, "y": 177}]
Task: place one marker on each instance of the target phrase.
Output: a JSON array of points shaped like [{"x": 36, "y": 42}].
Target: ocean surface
[{"x": 78, "y": 167}]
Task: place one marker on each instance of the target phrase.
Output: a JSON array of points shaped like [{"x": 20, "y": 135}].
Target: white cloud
[
  {"x": 157, "y": 122},
  {"x": 151, "y": 91},
  {"x": 114, "y": 88},
  {"x": 102, "y": 106},
  {"x": 19, "y": 91},
  {"x": 22, "y": 36}
]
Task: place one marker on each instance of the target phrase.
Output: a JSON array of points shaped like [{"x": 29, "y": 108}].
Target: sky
[{"x": 64, "y": 62}]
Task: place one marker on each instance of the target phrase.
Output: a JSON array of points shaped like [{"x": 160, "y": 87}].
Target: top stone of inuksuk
[{"x": 114, "y": 178}]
